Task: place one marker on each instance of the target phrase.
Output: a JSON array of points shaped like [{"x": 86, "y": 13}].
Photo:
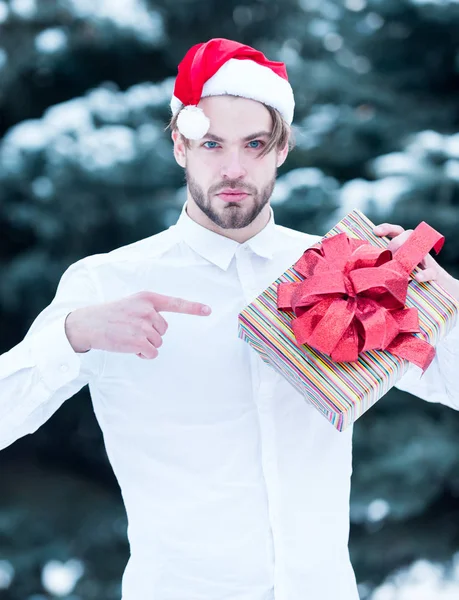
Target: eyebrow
[{"x": 247, "y": 138}]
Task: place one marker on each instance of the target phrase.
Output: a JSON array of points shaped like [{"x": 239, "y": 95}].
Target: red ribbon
[{"x": 353, "y": 297}]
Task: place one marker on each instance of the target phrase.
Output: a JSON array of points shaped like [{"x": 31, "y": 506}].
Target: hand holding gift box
[
  {"x": 342, "y": 323},
  {"x": 353, "y": 297}
]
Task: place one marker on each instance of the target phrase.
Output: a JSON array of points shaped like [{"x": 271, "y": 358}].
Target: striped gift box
[{"x": 342, "y": 392}]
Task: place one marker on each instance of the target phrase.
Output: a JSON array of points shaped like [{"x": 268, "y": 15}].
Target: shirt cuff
[
  {"x": 56, "y": 360},
  {"x": 439, "y": 382}
]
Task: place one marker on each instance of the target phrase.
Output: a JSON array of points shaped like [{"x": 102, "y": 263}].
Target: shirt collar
[{"x": 219, "y": 249}]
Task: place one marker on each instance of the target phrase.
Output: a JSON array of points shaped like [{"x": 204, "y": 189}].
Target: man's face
[{"x": 226, "y": 177}]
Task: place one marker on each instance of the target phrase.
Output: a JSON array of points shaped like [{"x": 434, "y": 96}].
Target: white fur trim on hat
[
  {"x": 248, "y": 79},
  {"x": 176, "y": 105},
  {"x": 193, "y": 123}
]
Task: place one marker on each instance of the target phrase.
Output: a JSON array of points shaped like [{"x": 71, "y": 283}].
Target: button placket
[
  {"x": 246, "y": 273},
  {"x": 268, "y": 428},
  {"x": 263, "y": 401}
]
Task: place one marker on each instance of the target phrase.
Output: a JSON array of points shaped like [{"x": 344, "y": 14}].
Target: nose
[{"x": 232, "y": 166}]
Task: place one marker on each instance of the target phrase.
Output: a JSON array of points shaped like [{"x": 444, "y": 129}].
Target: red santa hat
[{"x": 219, "y": 67}]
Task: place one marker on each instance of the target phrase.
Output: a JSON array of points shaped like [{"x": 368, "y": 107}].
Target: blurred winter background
[{"x": 85, "y": 167}]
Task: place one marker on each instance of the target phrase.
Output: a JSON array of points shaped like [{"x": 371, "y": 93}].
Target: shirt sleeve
[
  {"x": 41, "y": 372},
  {"x": 440, "y": 382}
]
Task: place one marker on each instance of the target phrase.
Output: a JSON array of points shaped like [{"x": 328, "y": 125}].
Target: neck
[{"x": 238, "y": 235}]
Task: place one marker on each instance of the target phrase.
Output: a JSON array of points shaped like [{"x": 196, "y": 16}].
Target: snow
[
  {"x": 452, "y": 146},
  {"x": 59, "y": 578},
  {"x": 43, "y": 188},
  {"x": 356, "y": 5},
  {"x": 310, "y": 5},
  {"x": 107, "y": 104},
  {"x": 354, "y": 194},
  {"x": 361, "y": 64},
  {"x": 377, "y": 510},
  {"x": 26, "y": 9},
  {"x": 438, "y": 2},
  {"x": 3, "y": 58},
  {"x": 142, "y": 95},
  {"x": 106, "y": 148},
  {"x": 132, "y": 15},
  {"x": 51, "y": 40},
  {"x": 71, "y": 116},
  {"x": 89, "y": 131},
  {"x": 290, "y": 56},
  {"x": 4, "y": 11},
  {"x": 452, "y": 169},
  {"x": 379, "y": 196},
  {"x": 6, "y": 574},
  {"x": 330, "y": 11},
  {"x": 308, "y": 177},
  {"x": 320, "y": 121},
  {"x": 396, "y": 163},
  {"x": 29, "y": 134},
  {"x": 426, "y": 143},
  {"x": 333, "y": 42},
  {"x": 320, "y": 27},
  {"x": 374, "y": 21},
  {"x": 422, "y": 581},
  {"x": 388, "y": 190}
]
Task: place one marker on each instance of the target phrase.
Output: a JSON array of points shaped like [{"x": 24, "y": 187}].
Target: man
[{"x": 235, "y": 486}]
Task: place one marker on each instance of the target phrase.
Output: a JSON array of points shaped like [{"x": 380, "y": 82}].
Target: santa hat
[{"x": 219, "y": 67}]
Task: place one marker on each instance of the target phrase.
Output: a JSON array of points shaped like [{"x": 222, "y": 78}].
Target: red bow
[{"x": 353, "y": 297}]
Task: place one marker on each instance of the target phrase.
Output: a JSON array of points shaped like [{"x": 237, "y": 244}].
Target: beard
[{"x": 234, "y": 215}]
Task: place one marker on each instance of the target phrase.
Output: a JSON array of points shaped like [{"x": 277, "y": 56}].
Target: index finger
[
  {"x": 179, "y": 305},
  {"x": 388, "y": 229}
]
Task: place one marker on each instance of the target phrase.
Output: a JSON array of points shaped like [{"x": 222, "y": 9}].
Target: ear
[
  {"x": 282, "y": 155},
  {"x": 179, "y": 148}
]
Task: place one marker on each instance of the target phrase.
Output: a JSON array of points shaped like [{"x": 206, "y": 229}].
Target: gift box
[{"x": 341, "y": 390}]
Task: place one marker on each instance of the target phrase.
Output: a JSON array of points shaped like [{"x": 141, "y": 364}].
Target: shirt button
[{"x": 64, "y": 368}]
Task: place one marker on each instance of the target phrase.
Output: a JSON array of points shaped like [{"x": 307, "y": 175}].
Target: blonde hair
[{"x": 281, "y": 133}]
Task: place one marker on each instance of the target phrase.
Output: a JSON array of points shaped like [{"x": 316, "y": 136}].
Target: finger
[
  {"x": 154, "y": 338},
  {"x": 429, "y": 262},
  {"x": 399, "y": 240},
  {"x": 428, "y": 274},
  {"x": 159, "y": 322},
  {"x": 178, "y": 305},
  {"x": 148, "y": 351},
  {"x": 388, "y": 229}
]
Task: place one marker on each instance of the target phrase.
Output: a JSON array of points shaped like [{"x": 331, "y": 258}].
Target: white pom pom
[{"x": 193, "y": 123}]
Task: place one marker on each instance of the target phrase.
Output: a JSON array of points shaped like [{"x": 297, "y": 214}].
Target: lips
[{"x": 232, "y": 195}]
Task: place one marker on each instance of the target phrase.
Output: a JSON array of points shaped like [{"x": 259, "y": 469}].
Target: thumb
[{"x": 426, "y": 275}]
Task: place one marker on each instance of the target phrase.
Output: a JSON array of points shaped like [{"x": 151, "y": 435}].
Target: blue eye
[
  {"x": 256, "y": 142},
  {"x": 212, "y": 144}
]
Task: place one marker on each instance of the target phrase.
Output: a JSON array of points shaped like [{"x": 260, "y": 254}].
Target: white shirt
[{"x": 235, "y": 487}]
